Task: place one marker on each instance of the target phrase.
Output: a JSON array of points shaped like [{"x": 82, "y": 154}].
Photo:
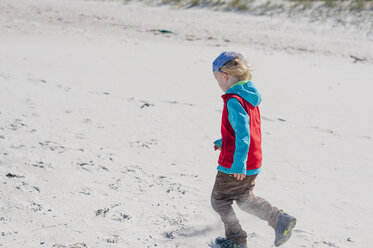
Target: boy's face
[{"x": 222, "y": 79}]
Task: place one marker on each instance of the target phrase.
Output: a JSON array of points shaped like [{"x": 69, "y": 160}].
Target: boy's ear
[{"x": 225, "y": 75}]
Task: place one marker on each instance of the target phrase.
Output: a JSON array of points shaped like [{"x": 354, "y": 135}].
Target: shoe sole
[{"x": 287, "y": 233}]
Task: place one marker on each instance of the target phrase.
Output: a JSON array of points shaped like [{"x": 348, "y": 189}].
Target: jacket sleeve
[{"x": 240, "y": 122}]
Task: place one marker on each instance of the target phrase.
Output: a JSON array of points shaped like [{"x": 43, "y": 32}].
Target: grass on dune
[{"x": 245, "y": 5}]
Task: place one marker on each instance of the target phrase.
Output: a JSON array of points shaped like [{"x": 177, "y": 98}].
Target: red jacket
[{"x": 254, "y": 156}]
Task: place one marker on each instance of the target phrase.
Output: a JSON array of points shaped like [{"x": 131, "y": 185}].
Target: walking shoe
[
  {"x": 227, "y": 243},
  {"x": 284, "y": 227}
]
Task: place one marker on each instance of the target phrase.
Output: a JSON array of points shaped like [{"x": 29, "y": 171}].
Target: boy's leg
[
  {"x": 222, "y": 197},
  {"x": 258, "y": 206}
]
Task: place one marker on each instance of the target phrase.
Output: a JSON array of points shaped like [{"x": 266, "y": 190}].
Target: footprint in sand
[
  {"x": 327, "y": 130},
  {"x": 145, "y": 144},
  {"x": 76, "y": 245},
  {"x": 86, "y": 165},
  {"x": 42, "y": 165},
  {"x": 86, "y": 191},
  {"x": 37, "y": 80},
  {"x": 23, "y": 186},
  {"x": 182, "y": 103},
  {"x": 67, "y": 89},
  {"x": 53, "y": 146},
  {"x": 16, "y": 124}
]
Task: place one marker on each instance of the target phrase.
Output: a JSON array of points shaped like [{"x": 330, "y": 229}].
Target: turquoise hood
[{"x": 246, "y": 90}]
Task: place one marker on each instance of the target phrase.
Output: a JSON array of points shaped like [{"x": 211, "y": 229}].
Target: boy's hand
[
  {"x": 239, "y": 176},
  {"x": 217, "y": 144}
]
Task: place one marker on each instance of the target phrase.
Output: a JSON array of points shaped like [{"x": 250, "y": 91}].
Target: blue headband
[{"x": 223, "y": 58}]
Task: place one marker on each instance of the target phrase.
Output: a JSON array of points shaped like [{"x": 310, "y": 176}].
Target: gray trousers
[{"x": 228, "y": 189}]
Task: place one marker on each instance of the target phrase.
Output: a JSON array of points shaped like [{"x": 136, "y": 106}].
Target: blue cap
[{"x": 223, "y": 58}]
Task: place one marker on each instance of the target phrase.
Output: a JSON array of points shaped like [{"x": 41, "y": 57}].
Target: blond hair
[{"x": 238, "y": 67}]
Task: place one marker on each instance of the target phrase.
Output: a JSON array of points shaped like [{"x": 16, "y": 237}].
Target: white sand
[{"x": 110, "y": 125}]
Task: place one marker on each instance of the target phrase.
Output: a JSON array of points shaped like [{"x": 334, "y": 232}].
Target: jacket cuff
[
  {"x": 218, "y": 142},
  {"x": 238, "y": 168}
]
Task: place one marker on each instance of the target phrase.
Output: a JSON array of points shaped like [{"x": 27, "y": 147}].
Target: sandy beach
[{"x": 107, "y": 125}]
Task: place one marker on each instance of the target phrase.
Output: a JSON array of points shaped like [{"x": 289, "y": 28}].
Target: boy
[{"x": 240, "y": 156}]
